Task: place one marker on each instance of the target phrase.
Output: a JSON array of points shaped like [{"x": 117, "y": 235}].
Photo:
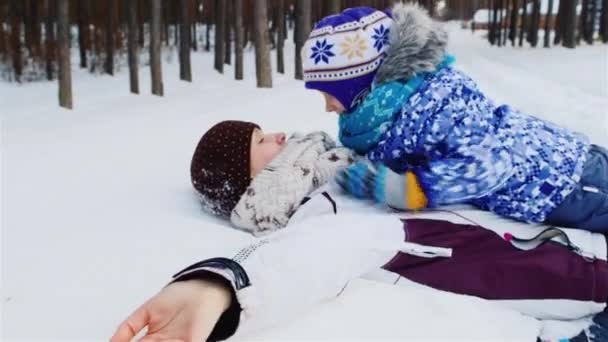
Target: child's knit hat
[
  {"x": 220, "y": 168},
  {"x": 344, "y": 51}
]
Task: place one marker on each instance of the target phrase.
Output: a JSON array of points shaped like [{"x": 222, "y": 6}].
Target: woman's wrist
[{"x": 216, "y": 293}]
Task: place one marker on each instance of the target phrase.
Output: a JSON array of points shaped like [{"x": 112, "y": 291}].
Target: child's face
[
  {"x": 332, "y": 104},
  {"x": 264, "y": 147}
]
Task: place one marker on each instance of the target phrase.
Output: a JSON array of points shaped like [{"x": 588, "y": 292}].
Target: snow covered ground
[{"x": 97, "y": 209}]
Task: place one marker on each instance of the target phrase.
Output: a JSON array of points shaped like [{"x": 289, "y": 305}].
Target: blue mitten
[{"x": 379, "y": 183}]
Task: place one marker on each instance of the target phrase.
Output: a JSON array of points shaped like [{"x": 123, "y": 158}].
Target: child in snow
[
  {"x": 258, "y": 181},
  {"x": 433, "y": 137}
]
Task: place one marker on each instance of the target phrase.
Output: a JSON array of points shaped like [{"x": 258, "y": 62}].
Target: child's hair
[{"x": 220, "y": 168}]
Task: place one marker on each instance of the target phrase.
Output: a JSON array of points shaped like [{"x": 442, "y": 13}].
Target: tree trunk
[
  {"x": 109, "y": 64},
  {"x": 591, "y": 24},
  {"x": 333, "y": 7},
  {"x": 194, "y": 40},
  {"x": 548, "y": 24},
  {"x": 504, "y": 21},
  {"x": 559, "y": 23},
  {"x": 240, "y": 37},
  {"x": 141, "y": 19},
  {"x": 16, "y": 39},
  {"x": 303, "y": 22},
  {"x": 220, "y": 49},
  {"x": 263, "y": 72},
  {"x": 583, "y": 21},
  {"x": 535, "y": 23},
  {"x": 228, "y": 32},
  {"x": 165, "y": 23},
  {"x": 83, "y": 30},
  {"x": 49, "y": 38},
  {"x": 3, "y": 46},
  {"x": 280, "y": 36},
  {"x": 185, "y": 72},
  {"x": 513, "y": 28},
  {"x": 133, "y": 47},
  {"x": 604, "y": 22},
  {"x": 155, "y": 57},
  {"x": 65, "y": 74},
  {"x": 27, "y": 23},
  {"x": 36, "y": 28},
  {"x": 208, "y": 37},
  {"x": 569, "y": 24},
  {"x": 494, "y": 24}
]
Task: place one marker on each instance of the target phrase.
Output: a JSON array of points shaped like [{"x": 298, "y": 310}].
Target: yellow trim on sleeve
[{"x": 416, "y": 199}]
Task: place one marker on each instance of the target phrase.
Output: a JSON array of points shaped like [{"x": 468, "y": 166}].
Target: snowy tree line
[
  {"x": 38, "y": 38},
  {"x": 566, "y": 22}
]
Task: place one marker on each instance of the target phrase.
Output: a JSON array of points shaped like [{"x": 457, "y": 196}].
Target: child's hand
[
  {"x": 379, "y": 183},
  {"x": 182, "y": 311}
]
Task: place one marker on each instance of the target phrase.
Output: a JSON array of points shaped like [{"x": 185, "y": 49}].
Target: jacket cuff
[{"x": 227, "y": 273}]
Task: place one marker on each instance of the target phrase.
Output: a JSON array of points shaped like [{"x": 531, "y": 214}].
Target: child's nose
[{"x": 280, "y": 138}]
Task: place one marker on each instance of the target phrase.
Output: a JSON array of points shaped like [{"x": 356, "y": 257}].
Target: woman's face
[
  {"x": 332, "y": 104},
  {"x": 264, "y": 148}
]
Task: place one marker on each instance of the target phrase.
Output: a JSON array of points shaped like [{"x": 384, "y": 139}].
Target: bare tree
[
  {"x": 50, "y": 43},
  {"x": 155, "y": 41},
  {"x": 35, "y": 9},
  {"x": 559, "y": 23},
  {"x": 263, "y": 71},
  {"x": 590, "y": 32},
  {"x": 239, "y": 38},
  {"x": 220, "y": 50},
  {"x": 281, "y": 35},
  {"x": 582, "y": 30},
  {"x": 604, "y": 22},
  {"x": 302, "y": 30},
  {"x": 109, "y": 64},
  {"x": 65, "y": 74},
  {"x": 133, "y": 47},
  {"x": 228, "y": 33},
  {"x": 185, "y": 72},
  {"x": 504, "y": 21},
  {"x": 568, "y": 22},
  {"x": 513, "y": 28},
  {"x": 208, "y": 22},
  {"x": 524, "y": 23},
  {"x": 83, "y": 30},
  {"x": 534, "y": 24},
  {"x": 16, "y": 8},
  {"x": 548, "y": 18},
  {"x": 3, "y": 45},
  {"x": 493, "y": 34}
]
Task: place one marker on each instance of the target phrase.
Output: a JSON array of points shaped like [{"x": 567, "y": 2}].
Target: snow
[{"x": 97, "y": 208}]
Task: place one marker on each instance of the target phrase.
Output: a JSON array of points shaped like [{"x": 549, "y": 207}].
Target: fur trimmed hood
[{"x": 417, "y": 44}]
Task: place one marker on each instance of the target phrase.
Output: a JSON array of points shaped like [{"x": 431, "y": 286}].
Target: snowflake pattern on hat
[
  {"x": 321, "y": 51},
  {"x": 353, "y": 46},
  {"x": 380, "y": 37}
]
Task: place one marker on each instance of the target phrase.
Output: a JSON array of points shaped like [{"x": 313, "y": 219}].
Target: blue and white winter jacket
[{"x": 462, "y": 147}]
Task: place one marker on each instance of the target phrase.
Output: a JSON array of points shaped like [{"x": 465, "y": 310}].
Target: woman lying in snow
[
  {"x": 406, "y": 108},
  {"x": 262, "y": 182}
]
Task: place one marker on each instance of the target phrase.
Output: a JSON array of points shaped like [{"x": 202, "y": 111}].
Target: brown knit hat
[{"x": 220, "y": 168}]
